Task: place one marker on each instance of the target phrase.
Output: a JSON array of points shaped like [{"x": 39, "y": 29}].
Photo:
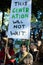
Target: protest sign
[{"x": 20, "y": 17}]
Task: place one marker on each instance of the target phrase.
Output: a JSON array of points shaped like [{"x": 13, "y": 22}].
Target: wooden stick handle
[{"x": 5, "y": 48}]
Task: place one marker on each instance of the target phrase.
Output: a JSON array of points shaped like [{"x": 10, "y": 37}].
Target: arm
[{"x": 10, "y": 55}]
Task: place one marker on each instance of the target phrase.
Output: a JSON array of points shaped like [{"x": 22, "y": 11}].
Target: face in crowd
[
  {"x": 23, "y": 48},
  {"x": 39, "y": 43}
]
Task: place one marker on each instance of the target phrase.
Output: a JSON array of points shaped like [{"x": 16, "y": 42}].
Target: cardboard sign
[{"x": 20, "y": 17}]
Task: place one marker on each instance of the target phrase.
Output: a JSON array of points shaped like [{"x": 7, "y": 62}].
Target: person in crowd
[
  {"x": 40, "y": 33},
  {"x": 31, "y": 38},
  {"x": 40, "y": 53},
  {"x": 39, "y": 43},
  {"x": 23, "y": 57},
  {"x": 2, "y": 42},
  {"x": 9, "y": 54},
  {"x": 33, "y": 50},
  {"x": 0, "y": 50}
]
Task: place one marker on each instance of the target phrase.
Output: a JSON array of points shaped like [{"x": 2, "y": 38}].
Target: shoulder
[
  {"x": 17, "y": 54},
  {"x": 29, "y": 59},
  {"x": 30, "y": 55}
]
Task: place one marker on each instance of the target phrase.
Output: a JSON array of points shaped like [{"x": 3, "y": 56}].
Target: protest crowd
[{"x": 25, "y": 56}]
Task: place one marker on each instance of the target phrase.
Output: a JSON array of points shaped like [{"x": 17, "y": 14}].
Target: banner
[{"x": 20, "y": 17}]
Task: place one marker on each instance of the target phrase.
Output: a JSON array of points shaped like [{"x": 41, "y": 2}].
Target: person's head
[
  {"x": 23, "y": 48},
  {"x": 10, "y": 46},
  {"x": 10, "y": 40},
  {"x": 32, "y": 36},
  {"x": 39, "y": 42},
  {"x": 3, "y": 42}
]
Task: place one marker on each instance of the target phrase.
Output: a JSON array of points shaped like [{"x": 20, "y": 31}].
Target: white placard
[{"x": 20, "y": 17}]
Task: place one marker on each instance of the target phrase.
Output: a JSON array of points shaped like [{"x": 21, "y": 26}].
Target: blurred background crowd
[{"x": 35, "y": 43}]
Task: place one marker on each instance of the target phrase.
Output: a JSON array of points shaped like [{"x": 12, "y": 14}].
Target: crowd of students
[
  {"x": 36, "y": 45},
  {"x": 24, "y": 56}
]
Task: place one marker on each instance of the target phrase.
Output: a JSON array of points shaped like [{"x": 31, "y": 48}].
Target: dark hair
[
  {"x": 11, "y": 40},
  {"x": 23, "y": 44},
  {"x": 10, "y": 45},
  {"x": 4, "y": 42}
]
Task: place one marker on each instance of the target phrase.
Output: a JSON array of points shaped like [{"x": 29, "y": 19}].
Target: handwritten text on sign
[{"x": 19, "y": 25}]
